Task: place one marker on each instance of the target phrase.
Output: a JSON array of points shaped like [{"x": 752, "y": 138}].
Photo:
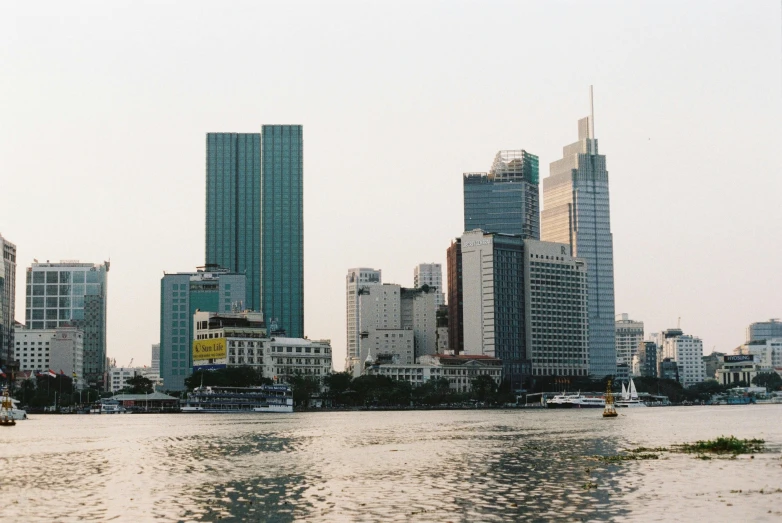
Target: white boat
[
  {"x": 629, "y": 397},
  {"x": 109, "y": 406},
  {"x": 266, "y": 398},
  {"x": 575, "y": 401},
  {"x": 11, "y": 408}
]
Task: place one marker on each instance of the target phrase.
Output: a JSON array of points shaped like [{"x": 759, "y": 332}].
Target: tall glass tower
[
  {"x": 505, "y": 200},
  {"x": 576, "y": 212},
  {"x": 254, "y": 217}
]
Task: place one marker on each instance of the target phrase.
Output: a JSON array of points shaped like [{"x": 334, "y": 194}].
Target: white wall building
[
  {"x": 430, "y": 274},
  {"x": 419, "y": 313},
  {"x": 767, "y": 352},
  {"x": 458, "y": 370},
  {"x": 629, "y": 334},
  {"x": 687, "y": 351},
  {"x": 119, "y": 376},
  {"x": 356, "y": 280},
  {"x": 60, "y": 350}
]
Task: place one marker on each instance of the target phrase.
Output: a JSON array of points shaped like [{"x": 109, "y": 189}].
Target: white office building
[
  {"x": 430, "y": 274},
  {"x": 767, "y": 352},
  {"x": 687, "y": 351},
  {"x": 60, "y": 350},
  {"x": 356, "y": 280}
]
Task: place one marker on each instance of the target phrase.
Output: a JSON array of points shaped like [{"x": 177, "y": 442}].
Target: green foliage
[
  {"x": 723, "y": 445},
  {"x": 244, "y": 376},
  {"x": 770, "y": 380},
  {"x": 303, "y": 388},
  {"x": 484, "y": 388},
  {"x": 139, "y": 385}
]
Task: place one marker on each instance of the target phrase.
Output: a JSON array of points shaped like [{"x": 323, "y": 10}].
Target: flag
[
  {"x": 2, "y": 373},
  {"x": 52, "y": 373},
  {"x": 62, "y": 373}
]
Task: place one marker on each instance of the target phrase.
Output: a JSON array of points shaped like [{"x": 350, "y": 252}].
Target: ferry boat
[
  {"x": 266, "y": 398},
  {"x": 575, "y": 401}
]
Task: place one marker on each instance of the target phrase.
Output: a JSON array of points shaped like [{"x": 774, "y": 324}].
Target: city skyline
[{"x": 386, "y": 143}]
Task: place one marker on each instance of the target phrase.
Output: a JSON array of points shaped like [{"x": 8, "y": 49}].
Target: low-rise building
[
  {"x": 458, "y": 370},
  {"x": 60, "y": 349},
  {"x": 738, "y": 368}
]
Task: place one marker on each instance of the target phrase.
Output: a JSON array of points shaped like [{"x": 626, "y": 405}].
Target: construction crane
[{"x": 129, "y": 364}]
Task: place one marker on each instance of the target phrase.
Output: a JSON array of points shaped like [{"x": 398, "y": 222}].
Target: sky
[{"x": 105, "y": 106}]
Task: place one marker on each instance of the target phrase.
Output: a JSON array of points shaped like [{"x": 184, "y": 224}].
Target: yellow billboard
[{"x": 213, "y": 349}]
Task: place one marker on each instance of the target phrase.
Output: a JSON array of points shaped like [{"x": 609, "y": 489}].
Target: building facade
[
  {"x": 767, "y": 352},
  {"x": 738, "y": 369},
  {"x": 629, "y": 336},
  {"x": 181, "y": 294},
  {"x": 687, "y": 351},
  {"x": 71, "y": 293},
  {"x": 647, "y": 359},
  {"x": 60, "y": 350},
  {"x": 155, "y": 361},
  {"x": 556, "y": 320},
  {"x": 507, "y": 199},
  {"x": 576, "y": 212},
  {"x": 419, "y": 314},
  {"x": 254, "y": 217},
  {"x": 356, "y": 281},
  {"x": 7, "y": 300},
  {"x": 431, "y": 275},
  {"x": 763, "y": 330},
  {"x": 455, "y": 297},
  {"x": 458, "y": 370}
]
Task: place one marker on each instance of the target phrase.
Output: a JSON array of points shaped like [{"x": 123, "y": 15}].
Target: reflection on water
[{"x": 373, "y": 466}]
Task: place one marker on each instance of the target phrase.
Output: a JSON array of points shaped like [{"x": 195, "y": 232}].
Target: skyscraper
[
  {"x": 7, "y": 299},
  {"x": 72, "y": 293},
  {"x": 254, "y": 217},
  {"x": 576, "y": 212},
  {"x": 506, "y": 199},
  {"x": 181, "y": 294}
]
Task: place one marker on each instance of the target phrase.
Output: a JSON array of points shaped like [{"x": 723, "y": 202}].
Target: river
[{"x": 442, "y": 466}]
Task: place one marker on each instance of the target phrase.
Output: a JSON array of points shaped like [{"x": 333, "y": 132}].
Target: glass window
[
  {"x": 78, "y": 277},
  {"x": 93, "y": 277},
  {"x": 51, "y": 302},
  {"x": 39, "y": 277},
  {"x": 52, "y": 290},
  {"x": 38, "y": 290},
  {"x": 51, "y": 277}
]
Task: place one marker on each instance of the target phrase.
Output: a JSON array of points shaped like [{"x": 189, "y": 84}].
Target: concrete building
[
  {"x": 505, "y": 200},
  {"x": 629, "y": 336},
  {"x": 71, "y": 293},
  {"x": 455, "y": 297},
  {"x": 767, "y": 352},
  {"x": 737, "y": 369},
  {"x": 687, "y": 351},
  {"x": 60, "y": 350},
  {"x": 254, "y": 217},
  {"x": 443, "y": 345},
  {"x": 155, "y": 361},
  {"x": 181, "y": 295},
  {"x": 7, "y": 301},
  {"x": 669, "y": 370},
  {"x": 246, "y": 343},
  {"x": 576, "y": 212},
  {"x": 646, "y": 356},
  {"x": 419, "y": 314},
  {"x": 555, "y": 310},
  {"x": 458, "y": 370},
  {"x": 356, "y": 281},
  {"x": 119, "y": 376},
  {"x": 764, "y": 330},
  {"x": 430, "y": 274},
  {"x": 711, "y": 363}
]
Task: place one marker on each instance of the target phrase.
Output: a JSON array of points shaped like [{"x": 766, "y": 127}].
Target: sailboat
[
  {"x": 609, "y": 411},
  {"x": 630, "y": 397}
]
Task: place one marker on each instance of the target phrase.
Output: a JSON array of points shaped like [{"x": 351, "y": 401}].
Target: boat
[
  {"x": 265, "y": 398},
  {"x": 6, "y": 411},
  {"x": 609, "y": 411},
  {"x": 575, "y": 401},
  {"x": 629, "y": 397},
  {"x": 110, "y": 406}
]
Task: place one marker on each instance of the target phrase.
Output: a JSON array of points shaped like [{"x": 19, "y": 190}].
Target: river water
[{"x": 449, "y": 466}]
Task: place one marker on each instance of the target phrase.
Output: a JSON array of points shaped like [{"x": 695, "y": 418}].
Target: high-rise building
[
  {"x": 7, "y": 300},
  {"x": 629, "y": 335},
  {"x": 254, "y": 217},
  {"x": 72, "y": 293},
  {"x": 576, "y": 212},
  {"x": 181, "y": 295},
  {"x": 430, "y": 274},
  {"x": 355, "y": 282},
  {"x": 687, "y": 352},
  {"x": 155, "y": 362},
  {"x": 507, "y": 198},
  {"x": 419, "y": 314},
  {"x": 646, "y": 356},
  {"x": 764, "y": 330},
  {"x": 455, "y": 297}
]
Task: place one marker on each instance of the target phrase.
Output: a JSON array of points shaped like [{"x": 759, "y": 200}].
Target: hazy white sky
[{"x": 104, "y": 107}]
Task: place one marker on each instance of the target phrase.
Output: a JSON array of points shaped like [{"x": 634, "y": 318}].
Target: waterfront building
[
  {"x": 506, "y": 199},
  {"x": 687, "y": 351},
  {"x": 357, "y": 280},
  {"x": 738, "y": 369},
  {"x": 711, "y": 363},
  {"x": 431, "y": 275},
  {"x": 763, "y": 330},
  {"x": 181, "y": 295},
  {"x": 555, "y": 311},
  {"x": 629, "y": 335},
  {"x": 576, "y": 212},
  {"x": 647, "y": 359},
  {"x": 254, "y": 217},
  {"x": 71, "y": 293},
  {"x": 455, "y": 297},
  {"x": 7, "y": 301},
  {"x": 767, "y": 352},
  {"x": 245, "y": 342},
  {"x": 60, "y": 349},
  {"x": 458, "y": 370}
]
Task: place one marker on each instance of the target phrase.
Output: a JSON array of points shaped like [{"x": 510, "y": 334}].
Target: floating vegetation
[
  {"x": 625, "y": 457},
  {"x": 722, "y": 445}
]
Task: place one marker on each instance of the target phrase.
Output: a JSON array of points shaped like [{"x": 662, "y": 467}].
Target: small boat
[
  {"x": 609, "y": 411},
  {"x": 630, "y": 397},
  {"x": 109, "y": 406},
  {"x": 6, "y": 417}
]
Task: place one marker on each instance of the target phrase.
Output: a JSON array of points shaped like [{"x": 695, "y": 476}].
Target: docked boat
[
  {"x": 109, "y": 406},
  {"x": 266, "y": 398},
  {"x": 575, "y": 401},
  {"x": 9, "y": 410},
  {"x": 629, "y": 397}
]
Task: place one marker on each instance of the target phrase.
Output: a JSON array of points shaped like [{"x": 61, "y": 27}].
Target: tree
[
  {"x": 484, "y": 388},
  {"x": 338, "y": 383},
  {"x": 243, "y": 376},
  {"x": 303, "y": 388},
  {"x": 139, "y": 385},
  {"x": 770, "y": 380}
]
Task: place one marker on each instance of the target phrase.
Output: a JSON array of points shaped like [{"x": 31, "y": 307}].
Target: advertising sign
[
  {"x": 739, "y": 357},
  {"x": 213, "y": 366},
  {"x": 213, "y": 349}
]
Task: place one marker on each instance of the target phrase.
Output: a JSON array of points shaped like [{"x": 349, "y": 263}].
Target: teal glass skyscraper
[{"x": 254, "y": 218}]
